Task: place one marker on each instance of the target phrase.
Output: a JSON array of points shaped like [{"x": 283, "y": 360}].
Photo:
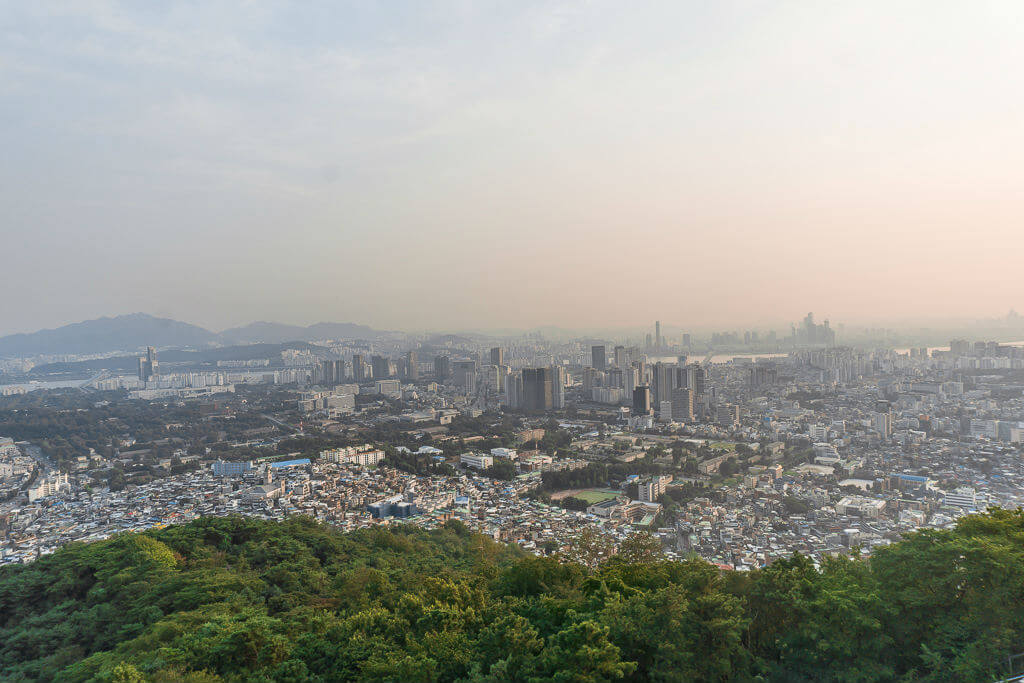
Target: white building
[
  {"x": 391, "y": 388},
  {"x": 50, "y": 486},
  {"x": 962, "y": 497},
  {"x": 476, "y": 460}
]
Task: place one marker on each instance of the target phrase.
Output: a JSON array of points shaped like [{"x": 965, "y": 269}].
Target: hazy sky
[{"x": 478, "y": 164}]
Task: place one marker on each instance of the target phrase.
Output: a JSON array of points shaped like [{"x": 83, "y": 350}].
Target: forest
[{"x": 240, "y": 599}]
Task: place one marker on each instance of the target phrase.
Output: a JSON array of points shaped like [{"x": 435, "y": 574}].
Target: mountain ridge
[{"x": 134, "y": 331}]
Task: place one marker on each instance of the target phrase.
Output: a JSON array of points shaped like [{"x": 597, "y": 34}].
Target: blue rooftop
[{"x": 289, "y": 463}]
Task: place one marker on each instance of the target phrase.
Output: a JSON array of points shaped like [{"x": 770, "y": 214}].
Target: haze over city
[{"x": 453, "y": 165}]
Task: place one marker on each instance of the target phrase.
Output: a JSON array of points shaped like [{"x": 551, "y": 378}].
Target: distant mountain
[
  {"x": 127, "y": 332},
  {"x": 276, "y": 333},
  {"x": 138, "y": 330}
]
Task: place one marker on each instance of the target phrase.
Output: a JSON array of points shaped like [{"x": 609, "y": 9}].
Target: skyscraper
[
  {"x": 642, "y": 400},
  {"x": 514, "y": 390},
  {"x": 465, "y": 375},
  {"x": 359, "y": 367},
  {"x": 148, "y": 366},
  {"x": 598, "y": 361},
  {"x": 682, "y": 405},
  {"x": 412, "y": 368},
  {"x": 537, "y": 389},
  {"x": 326, "y": 373},
  {"x": 657, "y": 334},
  {"x": 442, "y": 368},
  {"x": 621, "y": 358},
  {"x": 558, "y": 377},
  {"x": 339, "y": 371},
  {"x": 381, "y": 367},
  {"x": 663, "y": 382},
  {"x": 497, "y": 356}
]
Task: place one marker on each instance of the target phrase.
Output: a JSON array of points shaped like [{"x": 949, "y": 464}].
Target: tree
[
  {"x": 640, "y": 546},
  {"x": 590, "y": 548}
]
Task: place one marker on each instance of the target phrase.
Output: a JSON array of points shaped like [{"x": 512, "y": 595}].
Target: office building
[
  {"x": 682, "y": 405},
  {"x": 497, "y": 356},
  {"x": 657, "y": 334},
  {"x": 621, "y": 357},
  {"x": 465, "y": 375},
  {"x": 391, "y": 388},
  {"x": 538, "y": 392},
  {"x": 381, "y": 367},
  {"x": 442, "y": 368},
  {"x": 642, "y": 400},
  {"x": 597, "y": 355}
]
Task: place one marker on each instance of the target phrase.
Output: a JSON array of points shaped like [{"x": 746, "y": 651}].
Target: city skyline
[{"x": 440, "y": 166}]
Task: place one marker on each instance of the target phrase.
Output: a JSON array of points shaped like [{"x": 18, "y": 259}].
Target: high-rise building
[
  {"x": 657, "y": 334},
  {"x": 340, "y": 371},
  {"x": 686, "y": 341},
  {"x": 728, "y": 415},
  {"x": 694, "y": 378},
  {"x": 465, "y": 375},
  {"x": 682, "y": 405},
  {"x": 148, "y": 365},
  {"x": 514, "y": 390},
  {"x": 497, "y": 356},
  {"x": 662, "y": 383},
  {"x": 621, "y": 357},
  {"x": 537, "y": 389},
  {"x": 359, "y": 367},
  {"x": 381, "y": 367},
  {"x": 642, "y": 400},
  {"x": 558, "y": 380},
  {"x": 762, "y": 374},
  {"x": 442, "y": 368},
  {"x": 325, "y": 374},
  {"x": 597, "y": 354},
  {"x": 412, "y": 368}
]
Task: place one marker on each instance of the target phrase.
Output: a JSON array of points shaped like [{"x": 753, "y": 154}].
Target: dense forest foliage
[
  {"x": 236, "y": 599},
  {"x": 66, "y": 424}
]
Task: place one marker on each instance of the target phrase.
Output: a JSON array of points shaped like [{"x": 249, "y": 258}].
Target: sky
[{"x": 473, "y": 165}]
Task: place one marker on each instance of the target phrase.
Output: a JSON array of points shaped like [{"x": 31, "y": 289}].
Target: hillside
[
  {"x": 237, "y": 599},
  {"x": 139, "y": 330},
  {"x": 126, "y": 332}
]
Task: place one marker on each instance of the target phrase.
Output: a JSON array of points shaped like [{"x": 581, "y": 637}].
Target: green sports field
[{"x": 595, "y": 495}]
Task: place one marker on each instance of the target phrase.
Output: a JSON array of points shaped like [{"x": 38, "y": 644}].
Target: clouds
[{"x": 459, "y": 164}]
